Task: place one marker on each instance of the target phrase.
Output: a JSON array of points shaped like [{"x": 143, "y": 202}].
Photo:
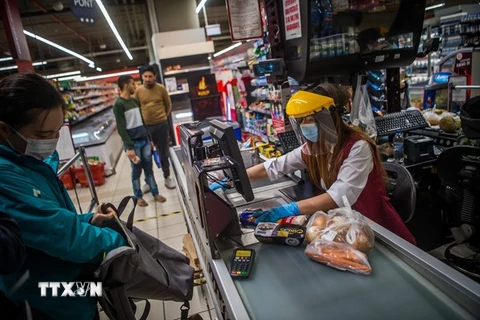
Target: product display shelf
[{"x": 86, "y": 101}]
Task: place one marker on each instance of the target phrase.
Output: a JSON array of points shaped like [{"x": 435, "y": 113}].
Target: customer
[
  {"x": 470, "y": 117},
  {"x": 59, "y": 243},
  {"x": 135, "y": 138},
  {"x": 156, "y": 107}
]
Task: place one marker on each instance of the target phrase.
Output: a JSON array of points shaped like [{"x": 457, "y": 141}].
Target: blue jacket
[{"x": 59, "y": 243}]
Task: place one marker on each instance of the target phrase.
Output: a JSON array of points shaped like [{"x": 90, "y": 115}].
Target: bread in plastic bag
[
  {"x": 315, "y": 225},
  {"x": 349, "y": 226},
  {"x": 338, "y": 255}
]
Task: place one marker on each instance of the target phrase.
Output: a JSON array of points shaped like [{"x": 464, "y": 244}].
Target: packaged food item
[
  {"x": 349, "y": 226},
  {"x": 289, "y": 234},
  {"x": 246, "y": 217},
  {"x": 340, "y": 256},
  {"x": 297, "y": 220}
]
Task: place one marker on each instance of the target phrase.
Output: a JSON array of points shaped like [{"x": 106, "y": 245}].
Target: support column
[
  {"x": 17, "y": 41},
  {"x": 168, "y": 11}
]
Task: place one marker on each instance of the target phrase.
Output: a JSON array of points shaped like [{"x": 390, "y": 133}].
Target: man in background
[
  {"x": 156, "y": 107},
  {"x": 136, "y": 140}
]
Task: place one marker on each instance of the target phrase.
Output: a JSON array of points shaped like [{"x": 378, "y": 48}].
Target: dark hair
[
  {"x": 23, "y": 96},
  {"x": 149, "y": 69},
  {"x": 123, "y": 81}
]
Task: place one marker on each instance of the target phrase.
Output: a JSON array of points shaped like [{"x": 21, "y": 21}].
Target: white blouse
[{"x": 352, "y": 176}]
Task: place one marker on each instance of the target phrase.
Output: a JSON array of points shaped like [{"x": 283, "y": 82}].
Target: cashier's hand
[
  {"x": 131, "y": 154},
  {"x": 277, "y": 213},
  {"x": 100, "y": 216}
]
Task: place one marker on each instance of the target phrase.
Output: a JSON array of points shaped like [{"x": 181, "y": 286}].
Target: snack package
[
  {"x": 246, "y": 217},
  {"x": 337, "y": 255},
  {"x": 296, "y": 220},
  {"x": 289, "y": 234}
]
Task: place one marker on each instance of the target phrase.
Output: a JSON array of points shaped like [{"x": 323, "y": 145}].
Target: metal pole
[
  {"x": 205, "y": 16},
  {"x": 460, "y": 87},
  {"x": 88, "y": 173},
  {"x": 451, "y": 87},
  {"x": 67, "y": 165}
]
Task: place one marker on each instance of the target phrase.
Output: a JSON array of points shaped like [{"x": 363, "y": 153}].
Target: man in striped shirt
[{"x": 136, "y": 139}]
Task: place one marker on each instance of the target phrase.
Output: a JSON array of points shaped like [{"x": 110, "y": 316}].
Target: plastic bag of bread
[
  {"x": 338, "y": 255},
  {"x": 349, "y": 226},
  {"x": 315, "y": 225}
]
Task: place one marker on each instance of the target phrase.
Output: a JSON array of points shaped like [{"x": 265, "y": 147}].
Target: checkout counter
[{"x": 406, "y": 282}]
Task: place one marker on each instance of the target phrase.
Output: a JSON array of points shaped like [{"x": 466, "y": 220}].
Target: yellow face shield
[{"x": 311, "y": 119}]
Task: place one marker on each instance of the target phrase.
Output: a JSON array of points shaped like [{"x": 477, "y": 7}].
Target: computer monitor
[{"x": 223, "y": 134}]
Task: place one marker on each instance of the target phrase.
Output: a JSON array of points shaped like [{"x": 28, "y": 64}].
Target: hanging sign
[
  {"x": 291, "y": 16},
  {"x": 245, "y": 19},
  {"x": 85, "y": 11}
]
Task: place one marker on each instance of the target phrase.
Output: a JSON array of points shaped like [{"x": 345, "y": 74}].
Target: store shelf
[
  {"x": 88, "y": 96},
  {"x": 91, "y": 104},
  {"x": 266, "y": 112},
  {"x": 178, "y": 92},
  {"x": 257, "y": 133},
  {"x": 175, "y": 72},
  {"x": 92, "y": 87},
  {"x": 87, "y": 116}
]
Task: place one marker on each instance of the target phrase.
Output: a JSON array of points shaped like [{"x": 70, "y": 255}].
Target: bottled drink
[{"x": 398, "y": 146}]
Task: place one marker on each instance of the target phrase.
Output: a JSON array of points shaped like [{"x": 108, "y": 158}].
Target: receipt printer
[{"x": 418, "y": 149}]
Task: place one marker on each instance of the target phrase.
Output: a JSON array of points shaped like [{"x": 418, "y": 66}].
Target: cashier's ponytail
[{"x": 326, "y": 166}]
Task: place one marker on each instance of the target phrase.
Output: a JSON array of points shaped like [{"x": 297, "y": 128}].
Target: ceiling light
[
  {"x": 183, "y": 115},
  {"x": 99, "y": 69},
  {"x": 435, "y": 6},
  {"x": 219, "y": 53},
  {"x": 40, "y": 63},
  {"x": 109, "y": 75},
  {"x": 200, "y": 5},
  {"x": 6, "y": 59},
  {"x": 58, "y": 75},
  {"x": 59, "y": 47},
  {"x": 114, "y": 30},
  {"x": 8, "y": 68}
]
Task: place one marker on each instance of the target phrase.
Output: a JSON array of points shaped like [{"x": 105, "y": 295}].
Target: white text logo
[{"x": 71, "y": 289}]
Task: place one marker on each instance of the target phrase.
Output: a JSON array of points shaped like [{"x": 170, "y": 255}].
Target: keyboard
[
  {"x": 400, "y": 121},
  {"x": 289, "y": 141}
]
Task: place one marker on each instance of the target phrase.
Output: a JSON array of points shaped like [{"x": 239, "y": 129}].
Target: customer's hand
[
  {"x": 152, "y": 145},
  {"x": 131, "y": 154},
  {"x": 277, "y": 213},
  {"x": 100, "y": 216}
]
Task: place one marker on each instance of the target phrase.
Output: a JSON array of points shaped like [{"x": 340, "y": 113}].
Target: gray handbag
[{"x": 145, "y": 269}]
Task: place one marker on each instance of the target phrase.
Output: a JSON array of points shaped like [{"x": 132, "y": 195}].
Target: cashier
[{"x": 339, "y": 159}]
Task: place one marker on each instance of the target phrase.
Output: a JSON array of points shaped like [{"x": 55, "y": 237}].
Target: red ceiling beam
[{"x": 54, "y": 17}]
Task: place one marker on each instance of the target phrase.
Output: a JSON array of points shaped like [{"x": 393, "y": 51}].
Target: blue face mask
[{"x": 310, "y": 131}]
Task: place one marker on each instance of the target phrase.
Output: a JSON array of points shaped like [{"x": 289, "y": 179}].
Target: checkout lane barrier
[{"x": 81, "y": 155}]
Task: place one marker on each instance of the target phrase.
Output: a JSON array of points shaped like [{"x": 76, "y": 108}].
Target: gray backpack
[{"x": 145, "y": 269}]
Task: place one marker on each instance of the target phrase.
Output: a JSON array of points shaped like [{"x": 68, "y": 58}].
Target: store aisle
[{"x": 162, "y": 220}]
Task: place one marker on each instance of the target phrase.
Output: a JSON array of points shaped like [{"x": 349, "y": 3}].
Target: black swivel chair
[
  {"x": 459, "y": 172},
  {"x": 401, "y": 190}
]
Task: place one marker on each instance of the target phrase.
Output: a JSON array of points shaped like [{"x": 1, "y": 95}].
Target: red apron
[{"x": 374, "y": 203}]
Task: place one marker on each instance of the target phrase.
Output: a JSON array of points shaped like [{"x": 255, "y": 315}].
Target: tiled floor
[{"x": 166, "y": 222}]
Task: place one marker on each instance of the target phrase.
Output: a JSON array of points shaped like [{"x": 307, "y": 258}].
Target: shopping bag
[
  {"x": 145, "y": 268},
  {"x": 362, "y": 115},
  {"x": 156, "y": 158}
]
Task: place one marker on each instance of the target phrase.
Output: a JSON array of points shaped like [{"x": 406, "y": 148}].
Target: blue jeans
[{"x": 143, "y": 149}]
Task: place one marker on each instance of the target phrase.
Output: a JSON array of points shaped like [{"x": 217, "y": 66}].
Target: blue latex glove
[
  {"x": 277, "y": 213},
  {"x": 219, "y": 185}
]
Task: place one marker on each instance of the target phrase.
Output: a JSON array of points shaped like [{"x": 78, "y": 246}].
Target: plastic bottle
[{"x": 398, "y": 146}]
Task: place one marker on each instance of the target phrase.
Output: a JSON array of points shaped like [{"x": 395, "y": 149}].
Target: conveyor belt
[{"x": 285, "y": 284}]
